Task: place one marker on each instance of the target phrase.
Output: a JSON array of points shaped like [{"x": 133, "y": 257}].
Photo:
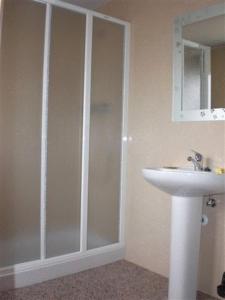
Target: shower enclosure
[{"x": 63, "y": 135}]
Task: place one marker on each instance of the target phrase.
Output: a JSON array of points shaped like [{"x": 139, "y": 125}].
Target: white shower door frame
[{"x": 27, "y": 273}]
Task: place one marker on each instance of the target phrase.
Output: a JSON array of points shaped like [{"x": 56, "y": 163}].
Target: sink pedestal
[
  {"x": 185, "y": 245},
  {"x": 187, "y": 188}
]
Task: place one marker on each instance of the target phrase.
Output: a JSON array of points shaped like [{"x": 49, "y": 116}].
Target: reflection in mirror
[
  {"x": 204, "y": 64},
  {"x": 192, "y": 91}
]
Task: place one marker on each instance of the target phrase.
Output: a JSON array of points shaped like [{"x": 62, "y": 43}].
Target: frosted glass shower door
[
  {"x": 66, "y": 76},
  {"x": 21, "y": 64},
  {"x": 63, "y": 97},
  {"x": 105, "y": 133}
]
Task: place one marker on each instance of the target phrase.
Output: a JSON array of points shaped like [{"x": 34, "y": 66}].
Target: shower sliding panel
[
  {"x": 65, "y": 117},
  {"x": 21, "y": 64},
  {"x": 105, "y": 133}
]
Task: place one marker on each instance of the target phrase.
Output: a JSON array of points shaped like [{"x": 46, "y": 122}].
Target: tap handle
[{"x": 198, "y": 156}]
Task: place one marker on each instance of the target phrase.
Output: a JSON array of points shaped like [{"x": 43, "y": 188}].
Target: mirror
[{"x": 199, "y": 65}]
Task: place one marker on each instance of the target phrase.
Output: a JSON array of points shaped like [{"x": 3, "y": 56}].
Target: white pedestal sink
[{"x": 187, "y": 188}]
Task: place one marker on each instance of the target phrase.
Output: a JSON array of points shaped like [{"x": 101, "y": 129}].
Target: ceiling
[{"x": 90, "y": 4}]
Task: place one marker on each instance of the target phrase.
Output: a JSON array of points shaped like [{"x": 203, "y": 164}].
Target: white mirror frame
[{"x": 178, "y": 114}]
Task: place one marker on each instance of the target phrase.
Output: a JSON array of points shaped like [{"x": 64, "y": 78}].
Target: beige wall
[{"x": 157, "y": 141}]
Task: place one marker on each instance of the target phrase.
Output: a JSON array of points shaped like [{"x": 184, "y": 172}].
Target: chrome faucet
[{"x": 197, "y": 160}]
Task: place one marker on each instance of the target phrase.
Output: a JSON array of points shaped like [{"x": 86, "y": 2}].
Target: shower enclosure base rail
[{"x": 37, "y": 271}]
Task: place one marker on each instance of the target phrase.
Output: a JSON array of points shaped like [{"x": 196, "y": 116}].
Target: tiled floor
[{"x": 118, "y": 281}]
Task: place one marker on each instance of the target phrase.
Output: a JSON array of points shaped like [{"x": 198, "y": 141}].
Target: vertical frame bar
[
  {"x": 207, "y": 74},
  {"x": 44, "y": 132},
  {"x": 125, "y": 139},
  {"x": 1, "y": 19},
  {"x": 86, "y": 132},
  {"x": 177, "y": 70}
]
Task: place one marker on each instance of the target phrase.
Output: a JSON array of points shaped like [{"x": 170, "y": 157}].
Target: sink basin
[{"x": 185, "y": 182}]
